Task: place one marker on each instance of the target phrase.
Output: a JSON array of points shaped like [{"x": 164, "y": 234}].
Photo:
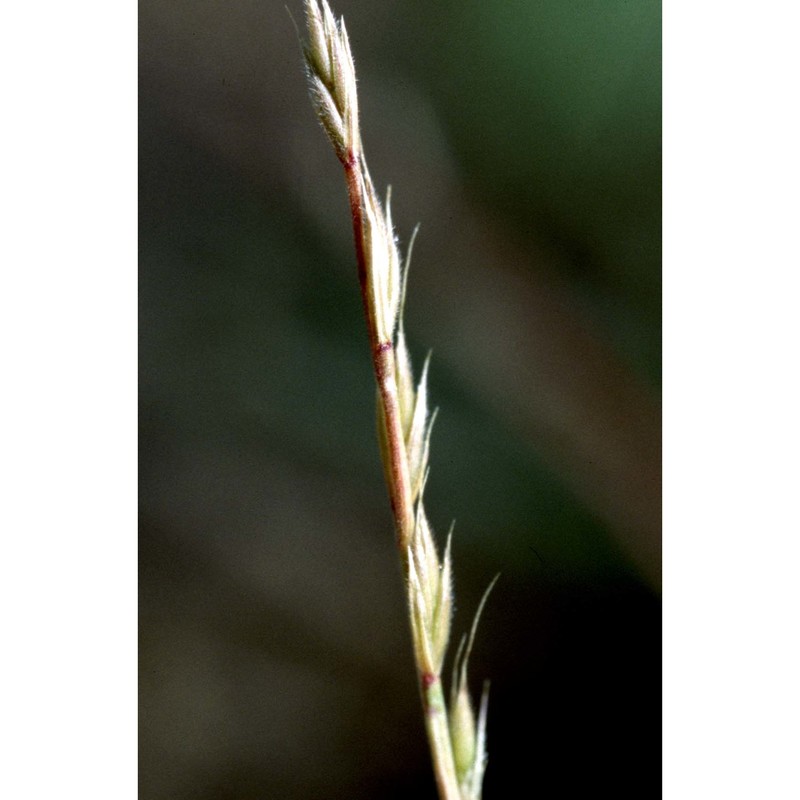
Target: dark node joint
[
  {"x": 428, "y": 680},
  {"x": 383, "y": 347}
]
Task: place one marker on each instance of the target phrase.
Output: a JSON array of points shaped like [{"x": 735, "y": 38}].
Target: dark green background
[{"x": 525, "y": 137}]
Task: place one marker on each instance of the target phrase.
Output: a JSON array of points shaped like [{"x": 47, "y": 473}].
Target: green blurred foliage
[{"x": 554, "y": 110}]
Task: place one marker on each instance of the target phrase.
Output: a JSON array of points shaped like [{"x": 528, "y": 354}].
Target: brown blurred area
[{"x": 275, "y": 660}]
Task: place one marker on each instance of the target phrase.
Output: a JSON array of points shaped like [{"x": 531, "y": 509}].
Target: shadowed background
[{"x": 275, "y": 660}]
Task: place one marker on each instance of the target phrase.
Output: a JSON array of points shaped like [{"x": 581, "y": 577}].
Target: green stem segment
[{"x": 437, "y": 727}]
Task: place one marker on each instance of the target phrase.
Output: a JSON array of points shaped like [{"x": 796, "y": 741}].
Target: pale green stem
[{"x": 437, "y": 726}]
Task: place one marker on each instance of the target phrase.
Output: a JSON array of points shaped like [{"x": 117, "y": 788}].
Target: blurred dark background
[{"x": 525, "y": 137}]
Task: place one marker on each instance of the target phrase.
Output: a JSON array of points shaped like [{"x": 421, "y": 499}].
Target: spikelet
[
  {"x": 332, "y": 78},
  {"x": 467, "y": 736}
]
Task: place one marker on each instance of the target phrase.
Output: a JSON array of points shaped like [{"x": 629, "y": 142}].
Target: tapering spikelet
[
  {"x": 468, "y": 737},
  {"x": 430, "y": 596},
  {"x": 332, "y": 78},
  {"x": 380, "y": 248}
]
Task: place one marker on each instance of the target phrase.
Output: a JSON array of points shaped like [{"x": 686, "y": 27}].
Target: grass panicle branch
[{"x": 405, "y": 422}]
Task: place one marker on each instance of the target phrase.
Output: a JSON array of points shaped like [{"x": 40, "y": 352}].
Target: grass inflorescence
[{"x": 457, "y": 737}]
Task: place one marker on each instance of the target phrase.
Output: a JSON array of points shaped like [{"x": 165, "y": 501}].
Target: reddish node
[{"x": 428, "y": 680}]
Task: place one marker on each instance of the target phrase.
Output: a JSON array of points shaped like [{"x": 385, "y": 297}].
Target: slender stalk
[
  {"x": 438, "y": 730},
  {"x": 383, "y": 362}
]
